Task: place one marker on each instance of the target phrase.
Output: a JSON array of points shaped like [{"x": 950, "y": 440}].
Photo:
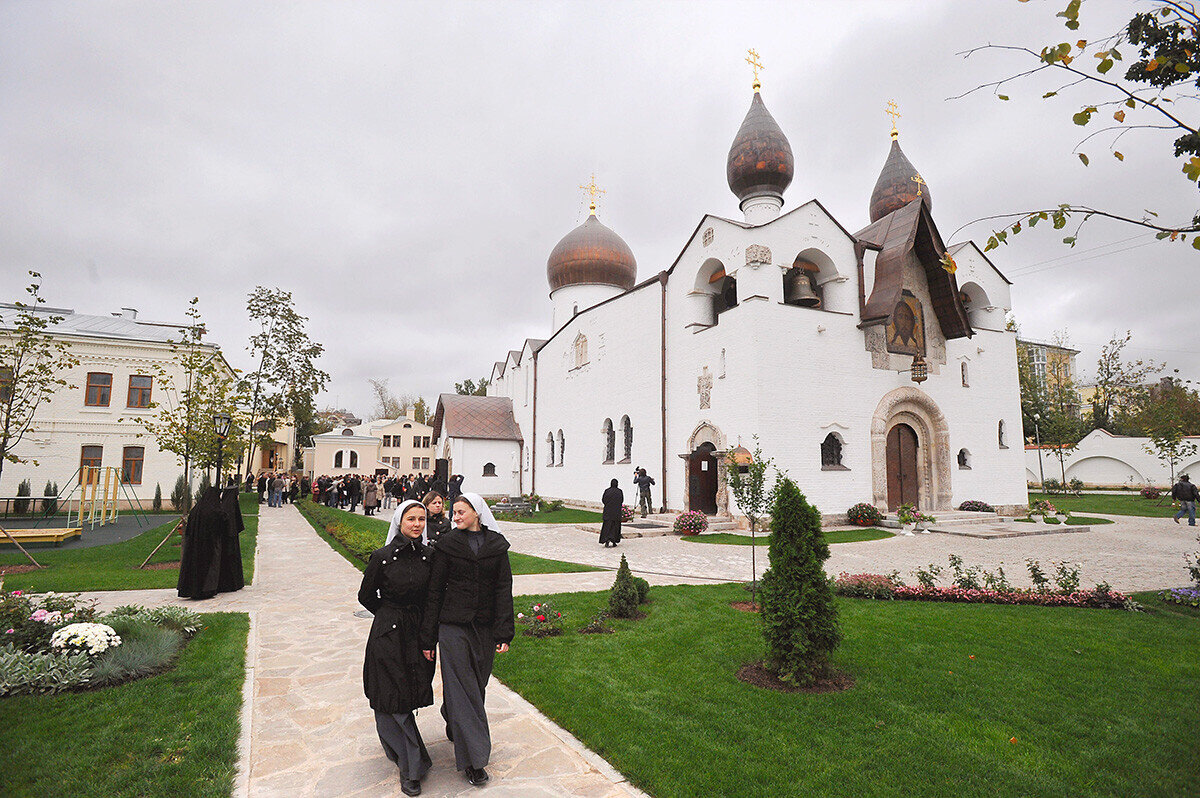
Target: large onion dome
[
  {"x": 896, "y": 186},
  {"x": 760, "y": 160},
  {"x": 591, "y": 254}
]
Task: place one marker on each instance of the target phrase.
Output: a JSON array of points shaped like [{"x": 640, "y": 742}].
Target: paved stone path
[{"x": 307, "y": 729}]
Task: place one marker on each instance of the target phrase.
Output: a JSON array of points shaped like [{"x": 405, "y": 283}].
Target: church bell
[{"x": 798, "y": 290}]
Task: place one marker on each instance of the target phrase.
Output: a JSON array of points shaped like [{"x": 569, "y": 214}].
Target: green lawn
[
  {"x": 363, "y": 535},
  {"x": 167, "y": 736},
  {"x": 1110, "y": 504},
  {"x": 831, "y": 537},
  {"x": 566, "y": 515},
  {"x": 115, "y": 566},
  {"x": 1099, "y": 702}
]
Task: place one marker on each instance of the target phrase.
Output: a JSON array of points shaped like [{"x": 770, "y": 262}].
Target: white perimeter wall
[{"x": 1105, "y": 460}]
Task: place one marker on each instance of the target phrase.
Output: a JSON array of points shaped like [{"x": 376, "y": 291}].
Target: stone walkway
[{"x": 307, "y": 729}]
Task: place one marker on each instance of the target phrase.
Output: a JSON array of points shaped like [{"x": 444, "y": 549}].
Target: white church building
[{"x": 873, "y": 365}]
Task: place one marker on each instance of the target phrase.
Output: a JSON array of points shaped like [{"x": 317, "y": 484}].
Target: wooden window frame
[
  {"x": 127, "y": 472},
  {"x": 142, "y": 394},
  {"x": 89, "y": 386},
  {"x": 87, "y": 462}
]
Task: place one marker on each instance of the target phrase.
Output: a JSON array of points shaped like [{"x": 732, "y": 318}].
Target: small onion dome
[
  {"x": 591, "y": 253},
  {"x": 741, "y": 456},
  {"x": 896, "y": 186},
  {"x": 760, "y": 160}
]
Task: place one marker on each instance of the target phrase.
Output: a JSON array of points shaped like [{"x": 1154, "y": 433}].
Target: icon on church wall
[
  {"x": 906, "y": 329},
  {"x": 704, "y": 386}
]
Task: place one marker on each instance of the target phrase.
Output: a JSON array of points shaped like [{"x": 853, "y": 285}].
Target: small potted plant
[
  {"x": 692, "y": 522},
  {"x": 1043, "y": 511},
  {"x": 907, "y": 516},
  {"x": 924, "y": 522}
]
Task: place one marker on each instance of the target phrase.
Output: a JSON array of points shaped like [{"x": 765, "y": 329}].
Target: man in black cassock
[{"x": 610, "y": 527}]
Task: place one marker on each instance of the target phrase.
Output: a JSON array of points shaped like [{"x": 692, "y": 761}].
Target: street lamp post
[
  {"x": 221, "y": 422},
  {"x": 1038, "y": 434}
]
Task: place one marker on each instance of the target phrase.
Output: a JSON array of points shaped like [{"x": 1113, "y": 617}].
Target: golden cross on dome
[
  {"x": 893, "y": 111},
  {"x": 919, "y": 183},
  {"x": 755, "y": 64},
  {"x": 593, "y": 191}
]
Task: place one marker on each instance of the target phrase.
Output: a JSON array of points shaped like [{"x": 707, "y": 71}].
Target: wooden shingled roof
[
  {"x": 487, "y": 417},
  {"x": 910, "y": 229}
]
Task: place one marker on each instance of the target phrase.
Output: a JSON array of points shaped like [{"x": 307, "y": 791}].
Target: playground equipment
[{"x": 100, "y": 490}]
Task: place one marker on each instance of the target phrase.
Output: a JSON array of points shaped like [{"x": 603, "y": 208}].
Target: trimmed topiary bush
[
  {"x": 798, "y": 614},
  {"x": 692, "y": 522},
  {"x": 623, "y": 597},
  {"x": 50, "y": 506},
  {"x": 180, "y": 495},
  {"x": 1151, "y": 492},
  {"x": 863, "y": 514},
  {"x": 973, "y": 506},
  {"x": 21, "y": 506},
  {"x": 156, "y": 505},
  {"x": 643, "y": 589}
]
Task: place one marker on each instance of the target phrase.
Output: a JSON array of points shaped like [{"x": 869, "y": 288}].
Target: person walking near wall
[
  {"x": 1187, "y": 495},
  {"x": 370, "y": 496},
  {"x": 610, "y": 528},
  {"x": 643, "y": 482}
]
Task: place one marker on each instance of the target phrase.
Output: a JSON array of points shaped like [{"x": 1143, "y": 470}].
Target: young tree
[
  {"x": 421, "y": 412},
  {"x": 286, "y": 360},
  {"x": 1061, "y": 426},
  {"x": 1119, "y": 385},
  {"x": 471, "y": 388},
  {"x": 753, "y": 497},
  {"x": 31, "y": 364},
  {"x": 1165, "y": 421},
  {"x": 798, "y": 614},
  {"x": 388, "y": 404},
  {"x": 1156, "y": 93}
]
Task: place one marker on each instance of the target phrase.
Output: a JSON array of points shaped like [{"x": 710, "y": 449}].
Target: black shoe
[
  {"x": 477, "y": 776},
  {"x": 410, "y": 786}
]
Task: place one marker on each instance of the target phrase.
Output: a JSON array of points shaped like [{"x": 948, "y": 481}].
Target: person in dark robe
[
  {"x": 249, "y": 483},
  {"x": 370, "y": 494},
  {"x": 206, "y": 536},
  {"x": 354, "y": 492},
  {"x": 610, "y": 527},
  {"x": 438, "y": 522},
  {"x": 456, "y": 482},
  {"x": 469, "y": 615},
  {"x": 231, "y": 579},
  {"x": 262, "y": 488},
  {"x": 397, "y": 678}
]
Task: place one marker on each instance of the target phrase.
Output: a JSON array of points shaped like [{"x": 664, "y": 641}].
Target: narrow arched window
[
  {"x": 831, "y": 451},
  {"x": 489, "y": 469},
  {"x": 550, "y": 449},
  {"x": 627, "y": 434},
  {"x": 610, "y": 440},
  {"x": 966, "y": 383},
  {"x": 562, "y": 447},
  {"x": 353, "y": 459},
  {"x": 1001, "y": 436},
  {"x": 338, "y": 459},
  {"x": 964, "y": 460},
  {"x": 581, "y": 352}
]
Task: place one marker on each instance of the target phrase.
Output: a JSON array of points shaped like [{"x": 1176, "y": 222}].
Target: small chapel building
[{"x": 872, "y": 365}]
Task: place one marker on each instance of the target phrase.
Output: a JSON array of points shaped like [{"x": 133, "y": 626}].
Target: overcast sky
[{"x": 404, "y": 169}]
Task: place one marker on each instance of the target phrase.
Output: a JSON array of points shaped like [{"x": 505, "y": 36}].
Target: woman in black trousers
[
  {"x": 397, "y": 678},
  {"x": 469, "y": 614}
]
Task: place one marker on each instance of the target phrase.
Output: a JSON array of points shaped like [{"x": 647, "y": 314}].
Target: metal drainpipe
[
  {"x": 662, "y": 279},
  {"x": 533, "y": 445}
]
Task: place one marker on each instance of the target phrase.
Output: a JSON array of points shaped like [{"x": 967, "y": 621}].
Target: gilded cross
[
  {"x": 756, "y": 65},
  {"x": 919, "y": 183},
  {"x": 893, "y": 111},
  {"x": 593, "y": 191}
]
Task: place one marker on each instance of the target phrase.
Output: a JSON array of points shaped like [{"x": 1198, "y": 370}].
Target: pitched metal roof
[
  {"x": 487, "y": 417},
  {"x": 125, "y": 326}
]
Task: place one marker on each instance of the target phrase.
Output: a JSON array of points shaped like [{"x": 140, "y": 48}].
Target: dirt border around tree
[{"x": 757, "y": 675}]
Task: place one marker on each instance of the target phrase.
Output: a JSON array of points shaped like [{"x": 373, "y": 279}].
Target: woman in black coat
[
  {"x": 397, "y": 678},
  {"x": 469, "y": 614},
  {"x": 437, "y": 523},
  {"x": 610, "y": 528}
]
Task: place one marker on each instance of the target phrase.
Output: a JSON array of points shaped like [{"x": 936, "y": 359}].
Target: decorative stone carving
[
  {"x": 708, "y": 237},
  {"x": 704, "y": 386},
  {"x": 757, "y": 255},
  {"x": 911, "y": 406}
]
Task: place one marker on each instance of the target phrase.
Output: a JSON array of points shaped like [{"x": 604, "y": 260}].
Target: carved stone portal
[
  {"x": 704, "y": 386},
  {"x": 911, "y": 406}
]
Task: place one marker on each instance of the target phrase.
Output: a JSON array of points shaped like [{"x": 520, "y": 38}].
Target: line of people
[
  {"x": 452, "y": 597},
  {"x": 374, "y": 492}
]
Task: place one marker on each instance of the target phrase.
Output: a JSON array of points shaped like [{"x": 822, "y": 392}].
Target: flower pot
[{"x": 907, "y": 529}]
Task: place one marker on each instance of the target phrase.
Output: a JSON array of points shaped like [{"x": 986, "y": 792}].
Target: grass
[
  {"x": 1110, "y": 504},
  {"x": 1154, "y": 605},
  {"x": 171, "y": 735},
  {"x": 567, "y": 515},
  {"x": 115, "y": 566},
  {"x": 1100, "y": 702},
  {"x": 365, "y": 534},
  {"x": 831, "y": 537}
]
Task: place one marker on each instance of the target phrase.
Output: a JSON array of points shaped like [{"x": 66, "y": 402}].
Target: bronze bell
[{"x": 798, "y": 290}]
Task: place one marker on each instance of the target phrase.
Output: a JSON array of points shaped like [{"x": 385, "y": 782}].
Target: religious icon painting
[{"x": 906, "y": 328}]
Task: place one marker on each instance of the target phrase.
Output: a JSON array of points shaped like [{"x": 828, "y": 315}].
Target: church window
[
  {"x": 964, "y": 460},
  {"x": 347, "y": 431},
  {"x": 721, "y": 366},
  {"x": 965, "y": 381},
  {"x": 575, "y": 309},
  {"x": 708, "y": 237},
  {"x": 610, "y": 440},
  {"x": 353, "y": 459},
  {"x": 831, "y": 453},
  {"x": 562, "y": 447},
  {"x": 550, "y": 449},
  {"x": 1001, "y": 435},
  {"x": 338, "y": 459},
  {"x": 627, "y": 434},
  {"x": 581, "y": 352},
  {"x": 489, "y": 469}
]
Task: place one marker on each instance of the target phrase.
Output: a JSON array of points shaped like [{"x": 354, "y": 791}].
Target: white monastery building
[
  {"x": 384, "y": 447},
  {"x": 787, "y": 326}
]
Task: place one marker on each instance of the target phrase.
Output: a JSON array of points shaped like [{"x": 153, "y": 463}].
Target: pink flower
[
  {"x": 541, "y": 617},
  {"x": 8, "y": 632},
  {"x": 16, "y": 592}
]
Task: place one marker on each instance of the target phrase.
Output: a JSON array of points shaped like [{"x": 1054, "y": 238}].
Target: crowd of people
[{"x": 348, "y": 491}]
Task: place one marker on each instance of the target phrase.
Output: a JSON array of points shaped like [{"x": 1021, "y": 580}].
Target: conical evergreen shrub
[
  {"x": 157, "y": 503},
  {"x": 798, "y": 614},
  {"x": 206, "y": 483},
  {"x": 623, "y": 598},
  {"x": 181, "y": 496},
  {"x": 21, "y": 506},
  {"x": 50, "y": 506}
]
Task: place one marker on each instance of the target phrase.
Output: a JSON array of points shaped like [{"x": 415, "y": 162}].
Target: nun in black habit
[
  {"x": 397, "y": 678},
  {"x": 469, "y": 615},
  {"x": 211, "y": 560},
  {"x": 610, "y": 528}
]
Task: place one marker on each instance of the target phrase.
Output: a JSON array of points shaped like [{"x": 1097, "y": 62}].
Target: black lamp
[{"x": 221, "y": 422}]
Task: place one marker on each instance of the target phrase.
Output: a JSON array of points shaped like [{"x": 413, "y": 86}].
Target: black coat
[
  {"x": 211, "y": 560},
  {"x": 436, "y": 526},
  {"x": 610, "y": 528},
  {"x": 396, "y": 675},
  {"x": 465, "y": 587}
]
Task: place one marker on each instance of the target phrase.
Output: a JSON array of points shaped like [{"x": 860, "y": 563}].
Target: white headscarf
[
  {"x": 394, "y": 529},
  {"x": 485, "y": 513}
]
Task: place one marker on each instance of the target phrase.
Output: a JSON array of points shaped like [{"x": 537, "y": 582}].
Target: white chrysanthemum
[{"x": 90, "y": 638}]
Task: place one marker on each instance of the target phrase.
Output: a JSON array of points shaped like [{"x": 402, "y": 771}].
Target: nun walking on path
[
  {"x": 469, "y": 614},
  {"x": 397, "y": 677},
  {"x": 610, "y": 528}
]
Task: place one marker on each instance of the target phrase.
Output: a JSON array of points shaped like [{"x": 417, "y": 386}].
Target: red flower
[{"x": 541, "y": 617}]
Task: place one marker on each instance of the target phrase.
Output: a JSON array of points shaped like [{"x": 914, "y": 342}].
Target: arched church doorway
[
  {"x": 702, "y": 479},
  {"x": 903, "y": 475}
]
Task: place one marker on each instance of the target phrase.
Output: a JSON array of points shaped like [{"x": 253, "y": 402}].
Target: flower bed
[
  {"x": 542, "y": 621},
  {"x": 1187, "y": 596},
  {"x": 891, "y": 587},
  {"x": 692, "y": 522},
  {"x": 974, "y": 506},
  {"x": 626, "y": 513},
  {"x": 863, "y": 514}
]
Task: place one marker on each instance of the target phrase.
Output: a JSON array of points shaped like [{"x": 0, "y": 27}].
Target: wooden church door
[
  {"x": 702, "y": 479},
  {"x": 902, "y": 474}
]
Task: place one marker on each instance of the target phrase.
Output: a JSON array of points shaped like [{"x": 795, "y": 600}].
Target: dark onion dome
[
  {"x": 591, "y": 254},
  {"x": 896, "y": 187},
  {"x": 760, "y": 160}
]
